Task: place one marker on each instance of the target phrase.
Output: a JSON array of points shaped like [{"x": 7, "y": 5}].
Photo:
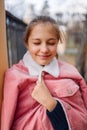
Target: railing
[{"x": 15, "y": 30}]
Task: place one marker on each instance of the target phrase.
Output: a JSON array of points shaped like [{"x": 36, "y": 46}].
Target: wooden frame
[{"x": 3, "y": 49}]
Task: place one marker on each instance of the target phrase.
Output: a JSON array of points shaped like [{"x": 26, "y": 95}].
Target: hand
[{"x": 42, "y": 95}]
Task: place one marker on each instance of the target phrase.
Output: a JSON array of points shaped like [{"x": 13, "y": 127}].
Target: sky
[
  {"x": 60, "y": 6},
  {"x": 56, "y": 5}
]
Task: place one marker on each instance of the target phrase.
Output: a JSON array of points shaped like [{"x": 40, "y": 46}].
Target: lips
[{"x": 44, "y": 56}]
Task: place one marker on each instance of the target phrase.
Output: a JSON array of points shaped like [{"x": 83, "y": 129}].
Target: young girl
[{"x": 41, "y": 92}]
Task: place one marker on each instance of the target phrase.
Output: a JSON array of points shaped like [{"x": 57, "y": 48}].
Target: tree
[{"x": 45, "y": 9}]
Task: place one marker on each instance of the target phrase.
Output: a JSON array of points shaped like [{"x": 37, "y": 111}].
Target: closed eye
[
  {"x": 51, "y": 43},
  {"x": 36, "y": 43}
]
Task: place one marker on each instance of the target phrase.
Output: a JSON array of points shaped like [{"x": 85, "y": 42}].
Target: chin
[{"x": 43, "y": 63}]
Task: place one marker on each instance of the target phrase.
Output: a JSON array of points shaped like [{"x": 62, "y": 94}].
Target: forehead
[{"x": 44, "y": 27}]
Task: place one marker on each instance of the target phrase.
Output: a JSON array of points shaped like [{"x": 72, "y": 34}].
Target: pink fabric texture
[{"x": 21, "y": 112}]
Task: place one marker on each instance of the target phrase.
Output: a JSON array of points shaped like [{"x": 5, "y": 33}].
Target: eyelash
[
  {"x": 51, "y": 43},
  {"x": 36, "y": 43},
  {"x": 48, "y": 43}
]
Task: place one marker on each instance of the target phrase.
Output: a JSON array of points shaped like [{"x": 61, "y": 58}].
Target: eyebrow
[
  {"x": 35, "y": 39},
  {"x": 52, "y": 39},
  {"x": 47, "y": 39}
]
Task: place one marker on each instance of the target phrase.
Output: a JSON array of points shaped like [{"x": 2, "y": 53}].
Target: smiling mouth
[{"x": 44, "y": 56}]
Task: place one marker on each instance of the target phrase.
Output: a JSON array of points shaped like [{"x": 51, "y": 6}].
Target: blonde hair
[{"x": 44, "y": 20}]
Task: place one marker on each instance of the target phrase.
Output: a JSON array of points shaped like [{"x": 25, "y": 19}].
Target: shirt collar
[{"x": 36, "y": 70}]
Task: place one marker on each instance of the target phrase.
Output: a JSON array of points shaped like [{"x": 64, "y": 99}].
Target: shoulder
[
  {"x": 63, "y": 65},
  {"x": 68, "y": 70},
  {"x": 16, "y": 69}
]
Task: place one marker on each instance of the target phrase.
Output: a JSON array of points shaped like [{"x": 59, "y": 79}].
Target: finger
[
  {"x": 40, "y": 76},
  {"x": 37, "y": 82},
  {"x": 40, "y": 81}
]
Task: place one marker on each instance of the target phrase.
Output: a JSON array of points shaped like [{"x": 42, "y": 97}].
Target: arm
[
  {"x": 83, "y": 89},
  {"x": 9, "y": 101},
  {"x": 58, "y": 118}
]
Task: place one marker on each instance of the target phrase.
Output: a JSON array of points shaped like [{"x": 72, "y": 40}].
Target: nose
[{"x": 44, "y": 48}]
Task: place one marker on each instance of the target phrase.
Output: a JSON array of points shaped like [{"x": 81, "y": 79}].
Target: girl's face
[{"x": 42, "y": 43}]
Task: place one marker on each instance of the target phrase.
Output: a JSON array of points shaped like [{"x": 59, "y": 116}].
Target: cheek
[
  {"x": 53, "y": 49},
  {"x": 33, "y": 49}
]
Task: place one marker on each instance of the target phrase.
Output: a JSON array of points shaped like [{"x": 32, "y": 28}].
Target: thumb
[{"x": 40, "y": 79}]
